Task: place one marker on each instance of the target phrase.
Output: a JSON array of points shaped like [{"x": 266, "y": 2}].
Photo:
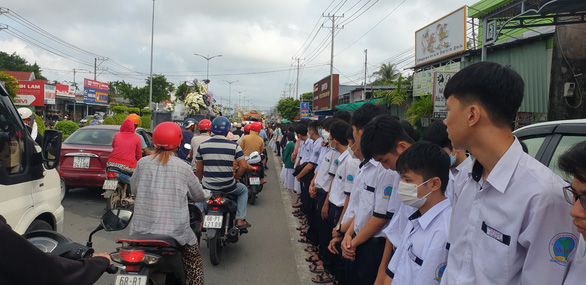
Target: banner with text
[
  {"x": 30, "y": 93},
  {"x": 95, "y": 92},
  {"x": 423, "y": 80},
  {"x": 50, "y": 92},
  {"x": 441, "y": 38},
  {"x": 304, "y": 110},
  {"x": 439, "y": 102}
]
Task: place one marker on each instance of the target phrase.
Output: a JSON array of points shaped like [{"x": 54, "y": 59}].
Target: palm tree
[{"x": 386, "y": 74}]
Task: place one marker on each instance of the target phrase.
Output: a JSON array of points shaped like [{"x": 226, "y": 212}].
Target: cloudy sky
[{"x": 259, "y": 40}]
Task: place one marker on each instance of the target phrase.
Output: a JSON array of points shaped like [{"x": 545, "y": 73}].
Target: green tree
[
  {"x": 67, "y": 128},
  {"x": 386, "y": 74},
  {"x": 395, "y": 97},
  {"x": 10, "y": 83},
  {"x": 422, "y": 107},
  {"x": 182, "y": 90},
  {"x": 14, "y": 62},
  {"x": 288, "y": 108},
  {"x": 161, "y": 88}
]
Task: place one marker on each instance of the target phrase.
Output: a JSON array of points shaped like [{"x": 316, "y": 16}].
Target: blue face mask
[{"x": 452, "y": 159}]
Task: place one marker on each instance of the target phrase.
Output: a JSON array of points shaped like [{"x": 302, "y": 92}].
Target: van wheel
[
  {"x": 64, "y": 189},
  {"x": 39, "y": 225}
]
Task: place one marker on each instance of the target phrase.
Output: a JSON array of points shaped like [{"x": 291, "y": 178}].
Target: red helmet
[
  {"x": 204, "y": 125},
  {"x": 167, "y": 135},
  {"x": 256, "y": 126},
  {"x": 247, "y": 128}
]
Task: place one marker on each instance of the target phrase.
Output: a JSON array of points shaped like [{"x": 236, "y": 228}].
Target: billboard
[
  {"x": 65, "y": 90},
  {"x": 423, "y": 80},
  {"x": 30, "y": 93},
  {"x": 321, "y": 93},
  {"x": 304, "y": 110},
  {"x": 50, "y": 92},
  {"x": 439, "y": 102},
  {"x": 441, "y": 38},
  {"x": 95, "y": 92}
]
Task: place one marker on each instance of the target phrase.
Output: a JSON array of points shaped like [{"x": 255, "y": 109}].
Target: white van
[{"x": 30, "y": 188}]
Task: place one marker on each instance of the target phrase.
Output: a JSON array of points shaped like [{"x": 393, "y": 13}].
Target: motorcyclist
[
  {"x": 217, "y": 155},
  {"x": 254, "y": 142},
  {"x": 95, "y": 121},
  {"x": 136, "y": 121},
  {"x": 125, "y": 148},
  {"x": 238, "y": 132},
  {"x": 26, "y": 115},
  {"x": 24, "y": 263},
  {"x": 205, "y": 127},
  {"x": 162, "y": 184},
  {"x": 189, "y": 125}
]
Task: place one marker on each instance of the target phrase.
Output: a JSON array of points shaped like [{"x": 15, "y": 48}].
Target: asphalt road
[{"x": 268, "y": 254}]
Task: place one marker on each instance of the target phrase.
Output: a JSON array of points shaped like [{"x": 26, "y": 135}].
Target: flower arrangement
[
  {"x": 194, "y": 101},
  {"x": 169, "y": 107}
]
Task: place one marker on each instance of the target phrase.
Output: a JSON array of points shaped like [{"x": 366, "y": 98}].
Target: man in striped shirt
[{"x": 215, "y": 167}]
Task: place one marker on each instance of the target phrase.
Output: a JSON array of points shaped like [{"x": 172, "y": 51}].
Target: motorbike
[
  {"x": 220, "y": 224},
  {"x": 117, "y": 189},
  {"x": 252, "y": 179},
  {"x": 58, "y": 244},
  {"x": 152, "y": 258}
]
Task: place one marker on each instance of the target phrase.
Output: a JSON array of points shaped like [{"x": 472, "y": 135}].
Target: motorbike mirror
[
  {"x": 116, "y": 219},
  {"x": 187, "y": 146}
]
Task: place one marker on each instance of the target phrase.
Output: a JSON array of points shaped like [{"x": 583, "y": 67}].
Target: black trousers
[
  {"x": 308, "y": 207},
  {"x": 364, "y": 268}
]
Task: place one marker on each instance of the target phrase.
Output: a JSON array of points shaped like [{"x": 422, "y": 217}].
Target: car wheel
[
  {"x": 37, "y": 225},
  {"x": 64, "y": 189}
]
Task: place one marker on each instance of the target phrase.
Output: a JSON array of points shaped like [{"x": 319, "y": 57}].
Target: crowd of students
[{"x": 464, "y": 205}]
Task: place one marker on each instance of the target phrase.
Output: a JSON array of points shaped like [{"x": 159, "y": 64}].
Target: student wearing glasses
[{"x": 572, "y": 163}]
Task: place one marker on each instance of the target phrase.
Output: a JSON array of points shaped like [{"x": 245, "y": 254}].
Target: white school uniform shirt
[
  {"x": 375, "y": 193},
  {"x": 421, "y": 256},
  {"x": 316, "y": 150},
  {"x": 343, "y": 178},
  {"x": 577, "y": 268},
  {"x": 513, "y": 227},
  {"x": 355, "y": 192},
  {"x": 307, "y": 151},
  {"x": 454, "y": 172},
  {"x": 323, "y": 177}
]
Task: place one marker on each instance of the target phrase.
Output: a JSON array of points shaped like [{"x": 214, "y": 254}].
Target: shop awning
[{"x": 350, "y": 107}]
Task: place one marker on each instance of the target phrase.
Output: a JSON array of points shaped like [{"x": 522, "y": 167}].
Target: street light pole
[
  {"x": 208, "y": 65},
  {"x": 151, "y": 73},
  {"x": 230, "y": 92}
]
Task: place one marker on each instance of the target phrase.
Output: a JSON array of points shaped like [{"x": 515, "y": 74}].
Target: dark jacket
[{"x": 23, "y": 263}]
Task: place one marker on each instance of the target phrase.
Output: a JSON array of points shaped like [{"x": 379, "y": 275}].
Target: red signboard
[
  {"x": 30, "y": 93},
  {"x": 65, "y": 90},
  {"x": 321, "y": 93}
]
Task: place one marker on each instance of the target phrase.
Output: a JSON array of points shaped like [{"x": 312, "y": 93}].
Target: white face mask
[
  {"x": 408, "y": 194},
  {"x": 352, "y": 154}
]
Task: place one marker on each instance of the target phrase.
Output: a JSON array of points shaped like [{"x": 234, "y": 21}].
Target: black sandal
[
  {"x": 323, "y": 277},
  {"x": 313, "y": 268},
  {"x": 310, "y": 258},
  {"x": 304, "y": 240}
]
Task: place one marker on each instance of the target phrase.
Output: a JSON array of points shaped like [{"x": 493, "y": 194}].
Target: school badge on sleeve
[
  {"x": 439, "y": 272},
  {"x": 561, "y": 247}
]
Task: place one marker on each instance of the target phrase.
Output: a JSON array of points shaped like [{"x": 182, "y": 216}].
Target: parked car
[
  {"x": 30, "y": 190},
  {"x": 85, "y": 153},
  {"x": 547, "y": 141}
]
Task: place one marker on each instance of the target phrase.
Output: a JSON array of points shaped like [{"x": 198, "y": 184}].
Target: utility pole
[
  {"x": 297, "y": 87},
  {"x": 334, "y": 27},
  {"x": 102, "y": 59},
  {"x": 290, "y": 93},
  {"x": 151, "y": 73},
  {"x": 207, "y": 58},
  {"x": 365, "y": 70}
]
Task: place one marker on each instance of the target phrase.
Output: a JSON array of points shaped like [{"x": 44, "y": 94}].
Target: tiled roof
[{"x": 21, "y": 75}]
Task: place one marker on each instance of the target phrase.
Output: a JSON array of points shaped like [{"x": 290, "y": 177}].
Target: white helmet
[{"x": 25, "y": 113}]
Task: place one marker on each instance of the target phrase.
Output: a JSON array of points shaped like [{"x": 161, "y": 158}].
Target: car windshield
[{"x": 92, "y": 137}]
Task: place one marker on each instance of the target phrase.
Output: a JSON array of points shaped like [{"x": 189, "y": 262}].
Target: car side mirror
[
  {"x": 116, "y": 219},
  {"x": 51, "y": 148}
]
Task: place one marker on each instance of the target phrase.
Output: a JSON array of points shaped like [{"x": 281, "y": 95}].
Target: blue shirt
[
  {"x": 183, "y": 152},
  {"x": 263, "y": 134}
]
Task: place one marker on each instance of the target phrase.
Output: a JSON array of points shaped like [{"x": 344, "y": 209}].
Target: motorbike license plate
[
  {"x": 254, "y": 180},
  {"x": 127, "y": 279},
  {"x": 110, "y": 184},
  {"x": 213, "y": 222},
  {"x": 81, "y": 162}
]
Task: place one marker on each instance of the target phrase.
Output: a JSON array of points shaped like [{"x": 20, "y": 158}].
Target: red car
[{"x": 84, "y": 155}]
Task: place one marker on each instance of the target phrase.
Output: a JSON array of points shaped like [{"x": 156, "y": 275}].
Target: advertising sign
[
  {"x": 423, "y": 80},
  {"x": 439, "y": 102},
  {"x": 30, "y": 93},
  {"x": 95, "y": 92},
  {"x": 441, "y": 38},
  {"x": 356, "y": 96},
  {"x": 321, "y": 93},
  {"x": 50, "y": 92},
  {"x": 304, "y": 110},
  {"x": 65, "y": 90}
]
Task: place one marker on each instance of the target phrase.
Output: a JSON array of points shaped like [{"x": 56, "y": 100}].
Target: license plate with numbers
[
  {"x": 254, "y": 180},
  {"x": 127, "y": 279},
  {"x": 81, "y": 162},
  {"x": 213, "y": 222}
]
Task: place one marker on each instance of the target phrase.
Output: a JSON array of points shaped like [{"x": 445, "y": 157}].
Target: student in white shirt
[
  {"x": 572, "y": 163},
  {"x": 421, "y": 255},
  {"x": 509, "y": 219}
]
